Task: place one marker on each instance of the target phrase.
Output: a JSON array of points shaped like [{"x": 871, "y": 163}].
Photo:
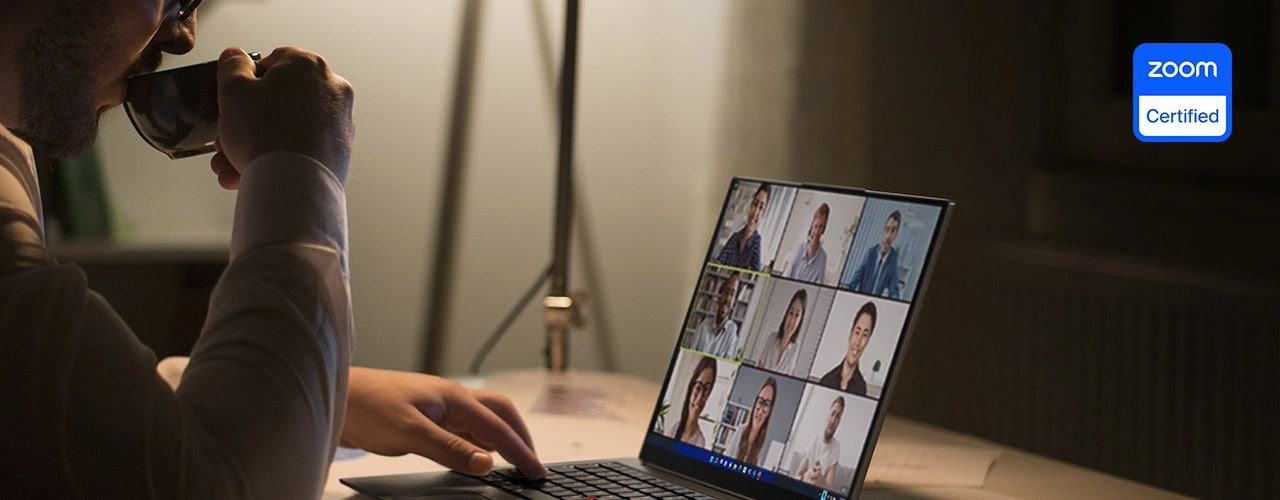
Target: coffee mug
[{"x": 176, "y": 110}]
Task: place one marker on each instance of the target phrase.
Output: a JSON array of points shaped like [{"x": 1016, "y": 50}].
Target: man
[
  {"x": 718, "y": 335},
  {"x": 264, "y": 400},
  {"x": 878, "y": 273},
  {"x": 743, "y": 248},
  {"x": 810, "y": 262},
  {"x": 846, "y": 376},
  {"x": 819, "y": 461}
]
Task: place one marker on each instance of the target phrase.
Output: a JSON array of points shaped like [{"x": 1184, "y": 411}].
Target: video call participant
[
  {"x": 846, "y": 376},
  {"x": 751, "y": 438},
  {"x": 878, "y": 273},
  {"x": 718, "y": 335},
  {"x": 778, "y": 353},
  {"x": 701, "y": 383},
  {"x": 810, "y": 262},
  {"x": 743, "y": 248},
  {"x": 818, "y": 464}
]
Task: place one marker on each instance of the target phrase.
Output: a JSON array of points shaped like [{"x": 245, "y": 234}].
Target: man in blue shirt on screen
[{"x": 878, "y": 273}]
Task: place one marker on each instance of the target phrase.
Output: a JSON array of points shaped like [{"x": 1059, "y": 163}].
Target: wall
[
  {"x": 647, "y": 79},
  {"x": 648, "y": 75},
  {"x": 1080, "y": 353}
]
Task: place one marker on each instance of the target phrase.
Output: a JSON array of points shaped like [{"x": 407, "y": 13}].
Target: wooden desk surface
[{"x": 610, "y": 413}]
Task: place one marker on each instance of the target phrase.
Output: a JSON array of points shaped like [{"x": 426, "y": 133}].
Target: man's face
[
  {"x": 833, "y": 420},
  {"x": 758, "y": 204},
  {"x": 859, "y": 335},
  {"x": 890, "y": 234},
  {"x": 74, "y": 61},
  {"x": 724, "y": 306},
  {"x": 816, "y": 229}
]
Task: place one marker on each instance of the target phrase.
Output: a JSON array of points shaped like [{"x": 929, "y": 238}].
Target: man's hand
[
  {"x": 295, "y": 103},
  {"x": 815, "y": 473},
  {"x": 393, "y": 413}
]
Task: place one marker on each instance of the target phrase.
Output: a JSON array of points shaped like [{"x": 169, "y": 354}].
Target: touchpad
[
  {"x": 452, "y": 496},
  {"x": 426, "y": 486}
]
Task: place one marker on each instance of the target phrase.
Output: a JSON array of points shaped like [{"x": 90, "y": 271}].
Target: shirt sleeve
[
  {"x": 22, "y": 245},
  {"x": 260, "y": 407},
  {"x": 268, "y": 376}
]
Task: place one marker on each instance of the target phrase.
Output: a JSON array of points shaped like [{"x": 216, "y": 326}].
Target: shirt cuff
[{"x": 289, "y": 198}]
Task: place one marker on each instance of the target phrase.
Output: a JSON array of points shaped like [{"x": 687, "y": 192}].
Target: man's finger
[
  {"x": 228, "y": 176},
  {"x": 275, "y": 56},
  {"x": 284, "y": 56},
  {"x": 449, "y": 449},
  {"x": 502, "y": 406},
  {"x": 482, "y": 445},
  {"x": 467, "y": 415},
  {"x": 234, "y": 64}
]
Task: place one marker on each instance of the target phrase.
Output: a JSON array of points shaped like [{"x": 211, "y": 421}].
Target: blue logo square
[{"x": 1182, "y": 92}]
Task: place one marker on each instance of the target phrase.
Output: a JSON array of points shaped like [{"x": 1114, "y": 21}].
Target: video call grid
[{"x": 766, "y": 277}]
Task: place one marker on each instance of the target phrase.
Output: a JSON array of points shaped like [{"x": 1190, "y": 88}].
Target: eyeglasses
[
  {"x": 703, "y": 387},
  {"x": 185, "y": 8},
  {"x": 764, "y": 403}
]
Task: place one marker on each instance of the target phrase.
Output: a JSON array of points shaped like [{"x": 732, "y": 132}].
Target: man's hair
[
  {"x": 764, "y": 188},
  {"x": 896, "y": 215},
  {"x": 839, "y": 400},
  {"x": 868, "y": 309},
  {"x": 704, "y": 364},
  {"x": 824, "y": 211},
  {"x": 728, "y": 282}
]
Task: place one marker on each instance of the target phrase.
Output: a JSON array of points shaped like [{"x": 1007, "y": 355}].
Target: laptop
[{"x": 780, "y": 379}]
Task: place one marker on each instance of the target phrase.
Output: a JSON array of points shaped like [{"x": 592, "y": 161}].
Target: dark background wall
[{"x": 1100, "y": 300}]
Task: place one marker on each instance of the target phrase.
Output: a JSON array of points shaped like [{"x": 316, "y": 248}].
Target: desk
[{"x": 612, "y": 424}]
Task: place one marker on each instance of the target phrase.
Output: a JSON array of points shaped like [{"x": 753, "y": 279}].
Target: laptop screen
[{"x": 799, "y": 318}]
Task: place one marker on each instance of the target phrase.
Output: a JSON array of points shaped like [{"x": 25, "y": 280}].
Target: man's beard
[{"x": 58, "y": 64}]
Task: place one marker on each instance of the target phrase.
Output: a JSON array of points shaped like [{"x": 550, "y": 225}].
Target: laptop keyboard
[{"x": 602, "y": 481}]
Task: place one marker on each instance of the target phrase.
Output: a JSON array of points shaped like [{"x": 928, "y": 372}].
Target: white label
[{"x": 1182, "y": 115}]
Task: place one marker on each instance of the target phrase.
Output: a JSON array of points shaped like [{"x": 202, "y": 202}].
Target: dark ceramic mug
[{"x": 176, "y": 110}]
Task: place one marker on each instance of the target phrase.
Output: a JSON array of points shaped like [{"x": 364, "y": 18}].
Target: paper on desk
[{"x": 899, "y": 463}]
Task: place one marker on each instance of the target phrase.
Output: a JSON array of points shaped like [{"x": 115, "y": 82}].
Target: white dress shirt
[
  {"x": 722, "y": 342},
  {"x": 83, "y": 412}
]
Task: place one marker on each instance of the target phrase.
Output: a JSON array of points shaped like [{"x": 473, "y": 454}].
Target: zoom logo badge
[{"x": 1182, "y": 92}]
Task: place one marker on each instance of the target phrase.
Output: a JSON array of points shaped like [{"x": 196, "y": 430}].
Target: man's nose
[{"x": 176, "y": 37}]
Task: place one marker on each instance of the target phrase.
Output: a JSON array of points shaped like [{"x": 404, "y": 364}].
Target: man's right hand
[
  {"x": 295, "y": 103},
  {"x": 394, "y": 413},
  {"x": 815, "y": 473}
]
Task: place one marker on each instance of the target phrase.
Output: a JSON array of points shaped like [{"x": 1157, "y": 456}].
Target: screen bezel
[{"x": 654, "y": 453}]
